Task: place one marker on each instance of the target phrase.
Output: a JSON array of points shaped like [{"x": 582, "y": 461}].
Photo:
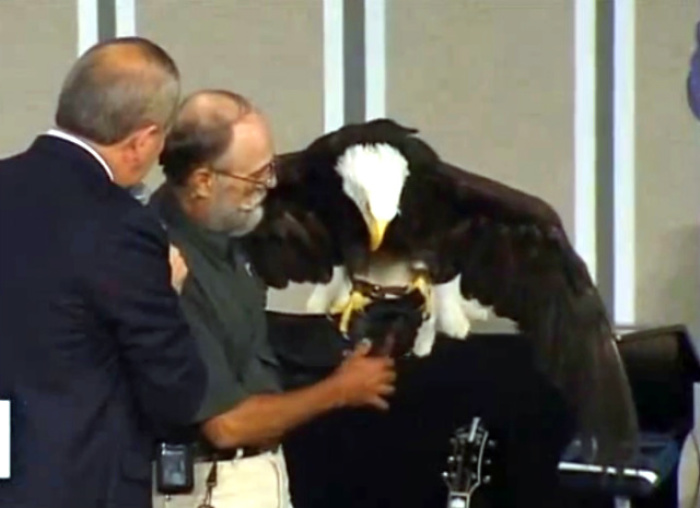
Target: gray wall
[
  {"x": 38, "y": 41},
  {"x": 252, "y": 47},
  {"x": 668, "y": 166}
]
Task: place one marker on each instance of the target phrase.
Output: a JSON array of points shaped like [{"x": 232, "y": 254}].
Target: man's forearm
[{"x": 265, "y": 418}]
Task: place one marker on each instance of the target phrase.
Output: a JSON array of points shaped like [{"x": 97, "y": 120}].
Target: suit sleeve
[{"x": 133, "y": 294}]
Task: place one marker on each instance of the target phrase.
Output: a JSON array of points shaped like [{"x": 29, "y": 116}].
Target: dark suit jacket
[{"x": 94, "y": 351}]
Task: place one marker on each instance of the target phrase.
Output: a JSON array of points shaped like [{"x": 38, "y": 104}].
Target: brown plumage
[{"x": 509, "y": 250}]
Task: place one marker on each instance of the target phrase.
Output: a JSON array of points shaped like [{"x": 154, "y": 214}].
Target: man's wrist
[{"x": 334, "y": 392}]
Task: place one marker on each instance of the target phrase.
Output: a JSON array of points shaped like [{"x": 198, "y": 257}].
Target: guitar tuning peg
[
  {"x": 472, "y": 459},
  {"x": 491, "y": 443},
  {"x": 487, "y": 479},
  {"x": 451, "y": 459},
  {"x": 488, "y": 462}
]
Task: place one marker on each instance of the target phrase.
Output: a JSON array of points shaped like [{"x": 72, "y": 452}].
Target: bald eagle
[{"x": 371, "y": 212}]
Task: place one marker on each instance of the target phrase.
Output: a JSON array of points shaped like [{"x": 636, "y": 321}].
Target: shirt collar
[{"x": 82, "y": 144}]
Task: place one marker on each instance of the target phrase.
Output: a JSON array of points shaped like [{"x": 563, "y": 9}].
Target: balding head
[
  {"x": 116, "y": 88},
  {"x": 207, "y": 131},
  {"x": 219, "y": 156}
]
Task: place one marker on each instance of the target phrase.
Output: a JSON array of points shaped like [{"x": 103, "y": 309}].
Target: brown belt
[{"x": 232, "y": 453}]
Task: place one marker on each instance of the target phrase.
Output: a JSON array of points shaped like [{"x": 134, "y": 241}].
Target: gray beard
[
  {"x": 251, "y": 222},
  {"x": 235, "y": 222}
]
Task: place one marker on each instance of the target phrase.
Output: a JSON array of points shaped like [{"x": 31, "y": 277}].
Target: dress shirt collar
[{"x": 82, "y": 144}]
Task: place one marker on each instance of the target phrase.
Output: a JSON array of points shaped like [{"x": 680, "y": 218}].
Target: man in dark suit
[{"x": 95, "y": 355}]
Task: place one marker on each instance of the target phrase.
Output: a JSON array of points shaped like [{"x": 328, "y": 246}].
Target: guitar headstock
[{"x": 468, "y": 466}]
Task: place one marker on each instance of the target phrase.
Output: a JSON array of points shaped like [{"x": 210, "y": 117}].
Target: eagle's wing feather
[
  {"x": 513, "y": 254},
  {"x": 292, "y": 242}
]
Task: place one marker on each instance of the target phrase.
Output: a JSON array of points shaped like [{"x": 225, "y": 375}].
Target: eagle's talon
[
  {"x": 355, "y": 303},
  {"x": 422, "y": 284}
]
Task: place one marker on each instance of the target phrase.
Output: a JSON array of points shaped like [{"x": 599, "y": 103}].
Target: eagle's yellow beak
[{"x": 376, "y": 233}]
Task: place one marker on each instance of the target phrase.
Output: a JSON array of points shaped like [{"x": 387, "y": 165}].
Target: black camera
[{"x": 174, "y": 468}]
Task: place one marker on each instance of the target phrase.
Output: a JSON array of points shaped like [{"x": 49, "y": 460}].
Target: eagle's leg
[
  {"x": 355, "y": 303},
  {"x": 421, "y": 282}
]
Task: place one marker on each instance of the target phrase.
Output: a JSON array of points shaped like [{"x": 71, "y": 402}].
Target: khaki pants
[{"x": 253, "y": 482}]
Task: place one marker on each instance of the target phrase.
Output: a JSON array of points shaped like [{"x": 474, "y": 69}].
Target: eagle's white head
[{"x": 373, "y": 177}]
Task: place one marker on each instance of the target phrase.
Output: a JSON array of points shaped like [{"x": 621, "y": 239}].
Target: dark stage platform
[
  {"x": 364, "y": 458},
  {"x": 354, "y": 458}
]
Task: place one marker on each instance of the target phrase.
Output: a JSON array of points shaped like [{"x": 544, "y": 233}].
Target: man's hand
[
  {"x": 365, "y": 380},
  {"x": 178, "y": 268},
  {"x": 361, "y": 380}
]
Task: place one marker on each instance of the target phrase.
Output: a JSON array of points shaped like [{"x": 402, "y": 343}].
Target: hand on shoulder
[{"x": 178, "y": 268}]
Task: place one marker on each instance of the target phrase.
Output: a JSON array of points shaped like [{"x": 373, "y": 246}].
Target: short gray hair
[{"x": 117, "y": 87}]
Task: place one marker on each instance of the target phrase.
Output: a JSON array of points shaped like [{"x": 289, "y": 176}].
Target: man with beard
[{"x": 219, "y": 163}]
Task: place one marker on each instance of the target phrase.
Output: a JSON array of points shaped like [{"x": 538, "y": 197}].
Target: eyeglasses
[{"x": 263, "y": 178}]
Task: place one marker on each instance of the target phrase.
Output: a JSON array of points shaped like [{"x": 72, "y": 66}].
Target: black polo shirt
[{"x": 225, "y": 306}]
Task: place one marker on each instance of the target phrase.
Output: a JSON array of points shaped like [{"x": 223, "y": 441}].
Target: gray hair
[{"x": 117, "y": 87}]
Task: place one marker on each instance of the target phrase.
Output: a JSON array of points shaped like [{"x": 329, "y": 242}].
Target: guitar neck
[{"x": 468, "y": 463}]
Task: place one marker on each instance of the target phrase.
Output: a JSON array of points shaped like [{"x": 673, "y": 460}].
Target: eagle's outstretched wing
[
  {"x": 292, "y": 243},
  {"x": 513, "y": 254}
]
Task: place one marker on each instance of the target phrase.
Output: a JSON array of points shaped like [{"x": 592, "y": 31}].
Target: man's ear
[
  {"x": 148, "y": 136},
  {"x": 139, "y": 143},
  {"x": 201, "y": 183}
]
